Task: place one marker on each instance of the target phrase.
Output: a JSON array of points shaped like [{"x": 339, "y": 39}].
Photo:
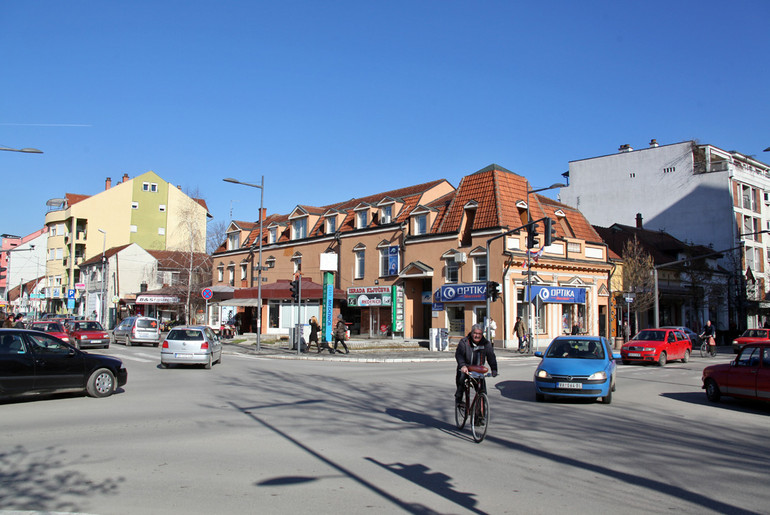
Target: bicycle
[
  {"x": 524, "y": 349},
  {"x": 707, "y": 348},
  {"x": 478, "y": 409}
]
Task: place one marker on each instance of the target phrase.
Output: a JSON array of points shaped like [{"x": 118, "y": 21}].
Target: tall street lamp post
[
  {"x": 104, "y": 276},
  {"x": 529, "y": 263},
  {"x": 261, "y": 187}
]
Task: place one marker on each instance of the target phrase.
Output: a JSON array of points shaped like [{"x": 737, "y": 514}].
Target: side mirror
[
  {"x": 616, "y": 355},
  {"x": 539, "y": 354}
]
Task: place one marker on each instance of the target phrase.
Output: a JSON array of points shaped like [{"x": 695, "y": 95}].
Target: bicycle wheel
[
  {"x": 480, "y": 416},
  {"x": 713, "y": 351},
  {"x": 704, "y": 349},
  {"x": 461, "y": 412}
]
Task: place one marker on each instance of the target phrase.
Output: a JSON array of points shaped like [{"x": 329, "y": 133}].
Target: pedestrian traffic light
[
  {"x": 493, "y": 290},
  {"x": 294, "y": 289},
  {"x": 532, "y": 235},
  {"x": 549, "y": 231}
]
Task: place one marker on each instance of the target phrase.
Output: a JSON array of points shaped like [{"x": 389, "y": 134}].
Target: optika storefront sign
[
  {"x": 558, "y": 294},
  {"x": 462, "y": 293}
]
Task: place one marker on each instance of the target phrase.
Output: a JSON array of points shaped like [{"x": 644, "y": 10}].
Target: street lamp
[
  {"x": 261, "y": 187},
  {"x": 102, "y": 308},
  {"x": 25, "y": 150},
  {"x": 529, "y": 263}
]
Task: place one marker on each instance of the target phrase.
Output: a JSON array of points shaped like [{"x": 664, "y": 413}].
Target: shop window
[
  {"x": 456, "y": 320},
  {"x": 573, "y": 318},
  {"x": 273, "y": 314}
]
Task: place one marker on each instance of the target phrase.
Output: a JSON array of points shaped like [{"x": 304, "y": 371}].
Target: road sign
[
  {"x": 70, "y": 294},
  {"x": 207, "y": 293}
]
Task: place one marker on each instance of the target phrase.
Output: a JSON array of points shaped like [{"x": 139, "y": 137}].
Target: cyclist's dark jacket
[
  {"x": 484, "y": 351},
  {"x": 709, "y": 330}
]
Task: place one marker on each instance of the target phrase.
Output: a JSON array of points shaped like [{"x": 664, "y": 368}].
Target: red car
[
  {"x": 747, "y": 377},
  {"x": 751, "y": 336},
  {"x": 53, "y": 328},
  {"x": 657, "y": 346},
  {"x": 87, "y": 333}
]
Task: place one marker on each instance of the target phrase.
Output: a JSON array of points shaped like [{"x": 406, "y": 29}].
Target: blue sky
[{"x": 335, "y": 100}]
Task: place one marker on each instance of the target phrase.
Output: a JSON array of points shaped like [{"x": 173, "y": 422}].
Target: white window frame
[
  {"x": 145, "y": 186},
  {"x": 134, "y": 228},
  {"x": 362, "y": 219},
  {"x": 386, "y": 214},
  {"x": 154, "y": 187},
  {"x": 480, "y": 262},
  {"x": 421, "y": 219},
  {"x": 452, "y": 266},
  {"x": 231, "y": 275},
  {"x": 331, "y": 224},
  {"x": 233, "y": 241},
  {"x": 134, "y": 205},
  {"x": 360, "y": 264},
  {"x": 244, "y": 271},
  {"x": 162, "y": 208},
  {"x": 221, "y": 273},
  {"x": 384, "y": 258},
  {"x": 272, "y": 234},
  {"x": 299, "y": 228}
]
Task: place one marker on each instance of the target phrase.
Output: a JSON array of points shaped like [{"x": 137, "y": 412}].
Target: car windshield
[
  {"x": 50, "y": 328},
  {"x": 580, "y": 349},
  {"x": 650, "y": 336},
  {"x": 185, "y": 334},
  {"x": 88, "y": 326},
  {"x": 755, "y": 333},
  {"x": 147, "y": 323}
]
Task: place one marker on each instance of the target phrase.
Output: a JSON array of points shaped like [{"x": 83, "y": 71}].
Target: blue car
[{"x": 576, "y": 366}]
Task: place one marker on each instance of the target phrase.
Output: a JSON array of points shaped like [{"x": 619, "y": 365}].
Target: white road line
[
  {"x": 151, "y": 356},
  {"x": 133, "y": 358}
]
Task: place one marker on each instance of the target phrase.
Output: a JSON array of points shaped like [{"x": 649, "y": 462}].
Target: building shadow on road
[{"x": 725, "y": 403}]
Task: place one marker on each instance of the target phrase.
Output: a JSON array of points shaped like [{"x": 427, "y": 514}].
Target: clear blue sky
[{"x": 333, "y": 100}]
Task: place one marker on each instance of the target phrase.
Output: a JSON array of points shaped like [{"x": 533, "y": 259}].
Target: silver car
[
  {"x": 137, "y": 331},
  {"x": 191, "y": 345}
]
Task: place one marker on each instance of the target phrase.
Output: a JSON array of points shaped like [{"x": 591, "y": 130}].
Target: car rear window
[
  {"x": 185, "y": 334},
  {"x": 755, "y": 333},
  {"x": 147, "y": 323},
  {"x": 88, "y": 326}
]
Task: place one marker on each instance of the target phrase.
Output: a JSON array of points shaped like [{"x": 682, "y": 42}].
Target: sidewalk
[{"x": 361, "y": 351}]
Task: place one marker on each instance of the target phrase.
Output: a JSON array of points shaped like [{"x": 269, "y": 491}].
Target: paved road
[{"x": 265, "y": 435}]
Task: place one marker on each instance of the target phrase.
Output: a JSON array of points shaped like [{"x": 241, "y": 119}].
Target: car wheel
[
  {"x": 208, "y": 363},
  {"x": 607, "y": 399},
  {"x": 101, "y": 383},
  {"x": 712, "y": 390},
  {"x": 219, "y": 360},
  {"x": 686, "y": 356},
  {"x": 662, "y": 360},
  {"x": 163, "y": 365},
  {"x": 613, "y": 384},
  {"x": 128, "y": 341},
  {"x": 539, "y": 397}
]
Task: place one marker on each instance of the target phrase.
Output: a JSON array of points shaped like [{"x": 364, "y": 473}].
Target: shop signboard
[
  {"x": 476, "y": 292},
  {"x": 370, "y": 296},
  {"x": 559, "y": 294},
  {"x": 398, "y": 311},
  {"x": 393, "y": 260}
]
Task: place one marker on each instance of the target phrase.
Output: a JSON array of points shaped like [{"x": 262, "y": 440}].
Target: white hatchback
[{"x": 191, "y": 345}]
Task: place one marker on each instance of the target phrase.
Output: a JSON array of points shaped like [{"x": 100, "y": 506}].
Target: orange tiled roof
[{"x": 74, "y": 198}]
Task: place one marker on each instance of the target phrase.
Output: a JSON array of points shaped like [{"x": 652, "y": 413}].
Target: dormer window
[
  {"x": 386, "y": 214},
  {"x": 331, "y": 225},
  {"x": 421, "y": 224},
  {"x": 299, "y": 229},
  {"x": 232, "y": 241},
  {"x": 361, "y": 219},
  {"x": 272, "y": 234}
]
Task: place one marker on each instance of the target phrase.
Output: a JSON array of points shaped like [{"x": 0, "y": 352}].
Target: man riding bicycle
[
  {"x": 474, "y": 349},
  {"x": 709, "y": 332}
]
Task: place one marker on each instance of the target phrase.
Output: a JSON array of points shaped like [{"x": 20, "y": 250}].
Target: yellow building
[{"x": 145, "y": 210}]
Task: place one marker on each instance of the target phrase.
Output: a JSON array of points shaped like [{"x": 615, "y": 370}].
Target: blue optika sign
[
  {"x": 462, "y": 293},
  {"x": 559, "y": 294}
]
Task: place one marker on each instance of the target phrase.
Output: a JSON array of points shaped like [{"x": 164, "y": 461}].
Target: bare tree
[
  {"x": 216, "y": 233},
  {"x": 193, "y": 227},
  {"x": 637, "y": 276}
]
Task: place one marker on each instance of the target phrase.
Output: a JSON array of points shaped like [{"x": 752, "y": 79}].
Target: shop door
[{"x": 374, "y": 322}]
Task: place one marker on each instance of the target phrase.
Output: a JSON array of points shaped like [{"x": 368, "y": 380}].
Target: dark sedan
[{"x": 36, "y": 362}]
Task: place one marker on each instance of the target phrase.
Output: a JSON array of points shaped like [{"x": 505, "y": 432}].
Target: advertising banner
[
  {"x": 370, "y": 296},
  {"x": 476, "y": 292},
  {"x": 558, "y": 294}
]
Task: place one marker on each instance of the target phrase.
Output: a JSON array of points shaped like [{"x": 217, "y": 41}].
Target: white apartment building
[{"x": 698, "y": 193}]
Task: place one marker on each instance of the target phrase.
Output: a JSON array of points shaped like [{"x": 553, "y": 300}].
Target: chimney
[
  {"x": 125, "y": 177},
  {"x": 107, "y": 183},
  {"x": 625, "y": 148},
  {"x": 639, "y": 224},
  {"x": 653, "y": 143},
  {"x": 262, "y": 214}
]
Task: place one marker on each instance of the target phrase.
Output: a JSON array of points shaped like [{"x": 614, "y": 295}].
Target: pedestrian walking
[
  {"x": 314, "y": 328},
  {"x": 520, "y": 331},
  {"x": 19, "y": 323},
  {"x": 340, "y": 333},
  {"x": 8, "y": 321}
]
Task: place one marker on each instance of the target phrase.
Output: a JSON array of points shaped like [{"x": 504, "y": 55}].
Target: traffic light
[
  {"x": 549, "y": 231},
  {"x": 532, "y": 235},
  {"x": 493, "y": 290},
  {"x": 294, "y": 288}
]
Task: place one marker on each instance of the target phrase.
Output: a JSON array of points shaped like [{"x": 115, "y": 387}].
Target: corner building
[{"x": 415, "y": 258}]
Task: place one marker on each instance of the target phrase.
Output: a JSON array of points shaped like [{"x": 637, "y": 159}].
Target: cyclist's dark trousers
[{"x": 460, "y": 382}]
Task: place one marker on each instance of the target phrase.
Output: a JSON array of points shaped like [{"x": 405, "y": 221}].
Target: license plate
[
  {"x": 570, "y": 386},
  {"x": 634, "y": 355},
  {"x": 96, "y": 341},
  {"x": 180, "y": 355}
]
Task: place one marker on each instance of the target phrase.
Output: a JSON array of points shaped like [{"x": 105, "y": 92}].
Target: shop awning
[
  {"x": 145, "y": 298},
  {"x": 239, "y": 302}
]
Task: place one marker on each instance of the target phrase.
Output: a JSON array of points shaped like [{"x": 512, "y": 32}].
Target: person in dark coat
[
  {"x": 340, "y": 333},
  {"x": 314, "y": 328},
  {"x": 474, "y": 349}
]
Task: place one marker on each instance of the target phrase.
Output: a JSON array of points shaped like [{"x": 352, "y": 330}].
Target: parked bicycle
[
  {"x": 478, "y": 408},
  {"x": 708, "y": 348}
]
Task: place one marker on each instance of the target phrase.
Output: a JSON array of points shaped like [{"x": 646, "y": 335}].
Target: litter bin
[{"x": 619, "y": 341}]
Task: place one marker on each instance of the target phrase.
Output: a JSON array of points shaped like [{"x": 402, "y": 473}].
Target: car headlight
[
  {"x": 598, "y": 375},
  {"x": 735, "y": 342},
  {"x": 542, "y": 374},
  {"x": 649, "y": 349}
]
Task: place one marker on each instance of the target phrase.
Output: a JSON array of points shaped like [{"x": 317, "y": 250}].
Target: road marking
[
  {"x": 151, "y": 356},
  {"x": 133, "y": 358}
]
